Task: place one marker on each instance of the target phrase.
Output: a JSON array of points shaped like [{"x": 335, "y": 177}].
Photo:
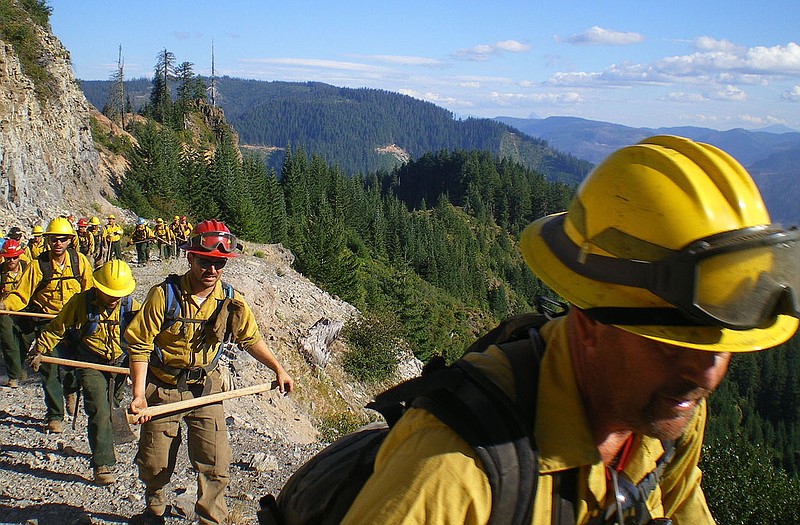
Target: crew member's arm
[
  {"x": 140, "y": 335},
  {"x": 54, "y": 331},
  {"x": 264, "y": 355}
]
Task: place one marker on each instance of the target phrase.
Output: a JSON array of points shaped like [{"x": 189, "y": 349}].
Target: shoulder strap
[
  {"x": 497, "y": 427},
  {"x": 172, "y": 300},
  {"x": 92, "y": 315},
  {"x": 46, "y": 267}
]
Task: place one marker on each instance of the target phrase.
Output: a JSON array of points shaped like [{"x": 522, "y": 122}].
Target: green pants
[
  {"x": 98, "y": 404},
  {"x": 142, "y": 252},
  {"x": 11, "y": 344},
  {"x": 56, "y": 381},
  {"x": 209, "y": 452}
]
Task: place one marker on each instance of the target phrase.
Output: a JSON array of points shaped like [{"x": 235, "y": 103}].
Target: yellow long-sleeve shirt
[
  {"x": 104, "y": 342},
  {"x": 112, "y": 233},
  {"x": 54, "y": 294},
  {"x": 34, "y": 248},
  {"x": 182, "y": 344},
  {"x": 10, "y": 279},
  {"x": 426, "y": 473}
]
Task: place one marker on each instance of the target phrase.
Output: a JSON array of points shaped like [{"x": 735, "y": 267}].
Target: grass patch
[
  {"x": 333, "y": 425},
  {"x": 17, "y": 22}
]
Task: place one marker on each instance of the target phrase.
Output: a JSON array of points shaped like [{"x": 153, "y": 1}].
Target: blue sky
[{"x": 704, "y": 63}]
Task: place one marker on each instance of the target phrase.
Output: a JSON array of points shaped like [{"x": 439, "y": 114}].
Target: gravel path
[{"x": 46, "y": 478}]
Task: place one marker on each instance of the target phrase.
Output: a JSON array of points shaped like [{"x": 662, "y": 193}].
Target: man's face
[
  {"x": 58, "y": 244},
  {"x": 204, "y": 272},
  {"x": 13, "y": 263},
  {"x": 654, "y": 388},
  {"x": 111, "y": 221},
  {"x": 108, "y": 301}
]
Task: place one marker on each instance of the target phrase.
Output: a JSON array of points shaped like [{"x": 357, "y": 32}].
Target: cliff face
[{"x": 48, "y": 161}]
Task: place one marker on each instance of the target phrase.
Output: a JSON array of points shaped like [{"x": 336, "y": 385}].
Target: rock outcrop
[{"x": 48, "y": 161}]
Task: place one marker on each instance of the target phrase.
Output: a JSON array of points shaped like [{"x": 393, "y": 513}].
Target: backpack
[
  {"x": 76, "y": 337},
  {"x": 173, "y": 313},
  {"x": 323, "y": 489},
  {"x": 46, "y": 268}
]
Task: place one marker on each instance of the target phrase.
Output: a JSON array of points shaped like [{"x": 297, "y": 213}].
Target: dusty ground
[{"x": 46, "y": 478}]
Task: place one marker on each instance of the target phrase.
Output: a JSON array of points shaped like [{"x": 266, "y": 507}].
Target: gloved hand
[{"x": 34, "y": 358}]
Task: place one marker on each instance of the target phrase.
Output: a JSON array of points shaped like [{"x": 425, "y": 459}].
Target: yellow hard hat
[
  {"x": 94, "y": 221},
  {"x": 111, "y": 216},
  {"x": 176, "y": 218},
  {"x": 114, "y": 278},
  {"x": 37, "y": 231},
  {"x": 642, "y": 207},
  {"x": 59, "y": 226},
  {"x": 160, "y": 220}
]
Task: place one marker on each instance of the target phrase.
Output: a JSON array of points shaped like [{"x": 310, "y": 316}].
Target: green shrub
[
  {"x": 373, "y": 347},
  {"x": 17, "y": 29}
]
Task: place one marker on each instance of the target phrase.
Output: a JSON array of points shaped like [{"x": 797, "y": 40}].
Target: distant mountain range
[
  {"x": 773, "y": 159},
  {"x": 360, "y": 130},
  {"x": 364, "y": 130}
]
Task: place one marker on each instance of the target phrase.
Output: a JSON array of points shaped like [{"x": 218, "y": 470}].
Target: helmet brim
[{"x": 587, "y": 293}]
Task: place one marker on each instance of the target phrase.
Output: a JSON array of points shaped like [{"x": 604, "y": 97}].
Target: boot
[
  {"x": 103, "y": 475},
  {"x": 55, "y": 426},
  {"x": 71, "y": 400}
]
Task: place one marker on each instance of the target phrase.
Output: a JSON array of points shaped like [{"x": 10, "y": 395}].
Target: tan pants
[{"x": 209, "y": 452}]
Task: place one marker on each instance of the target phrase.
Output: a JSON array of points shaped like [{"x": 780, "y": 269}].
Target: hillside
[
  {"x": 352, "y": 127},
  {"x": 771, "y": 158}
]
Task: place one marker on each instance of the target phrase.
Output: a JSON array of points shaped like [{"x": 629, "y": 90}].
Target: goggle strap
[
  {"x": 625, "y": 272},
  {"x": 642, "y": 316}
]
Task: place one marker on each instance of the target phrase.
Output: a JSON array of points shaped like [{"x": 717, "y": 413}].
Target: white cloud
[
  {"x": 469, "y": 84},
  {"x": 681, "y": 96},
  {"x": 437, "y": 98},
  {"x": 550, "y": 98},
  {"x": 725, "y": 66},
  {"x": 483, "y": 52},
  {"x": 402, "y": 60},
  {"x": 596, "y": 35},
  {"x": 315, "y": 63},
  {"x": 729, "y": 93},
  {"x": 706, "y": 43},
  {"x": 793, "y": 94}
]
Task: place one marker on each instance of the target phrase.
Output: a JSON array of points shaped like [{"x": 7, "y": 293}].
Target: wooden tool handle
[
  {"x": 84, "y": 364},
  {"x": 28, "y": 314},
  {"x": 168, "y": 408}
]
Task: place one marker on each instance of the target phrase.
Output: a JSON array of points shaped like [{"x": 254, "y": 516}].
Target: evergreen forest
[{"x": 428, "y": 252}]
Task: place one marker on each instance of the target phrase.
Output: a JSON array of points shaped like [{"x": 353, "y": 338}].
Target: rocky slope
[
  {"x": 48, "y": 162},
  {"x": 47, "y": 477}
]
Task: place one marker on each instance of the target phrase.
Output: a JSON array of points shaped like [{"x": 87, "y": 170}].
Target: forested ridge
[
  {"x": 428, "y": 252},
  {"x": 344, "y": 126}
]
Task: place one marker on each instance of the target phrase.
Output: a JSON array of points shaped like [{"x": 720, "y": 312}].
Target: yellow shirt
[
  {"x": 34, "y": 248},
  {"x": 163, "y": 234},
  {"x": 55, "y": 294},
  {"x": 9, "y": 279},
  {"x": 112, "y": 233},
  {"x": 86, "y": 239},
  {"x": 183, "y": 345},
  {"x": 425, "y": 473},
  {"x": 104, "y": 342}
]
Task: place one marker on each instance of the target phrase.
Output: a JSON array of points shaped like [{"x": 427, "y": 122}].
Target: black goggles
[
  {"x": 215, "y": 241},
  {"x": 740, "y": 279}
]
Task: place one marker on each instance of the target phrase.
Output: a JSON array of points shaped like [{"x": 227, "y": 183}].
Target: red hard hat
[
  {"x": 83, "y": 222},
  {"x": 11, "y": 248},
  {"x": 212, "y": 239}
]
